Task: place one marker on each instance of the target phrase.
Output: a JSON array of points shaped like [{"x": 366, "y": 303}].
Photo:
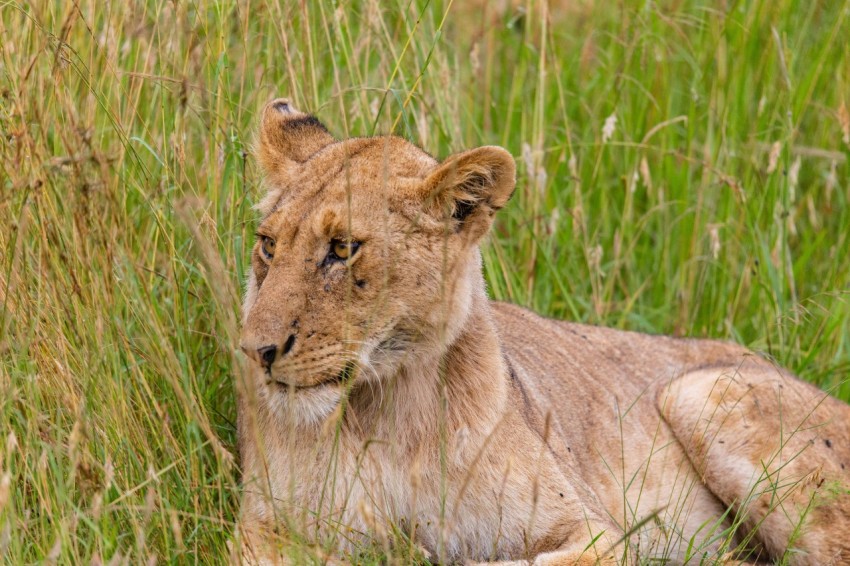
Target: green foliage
[{"x": 683, "y": 169}]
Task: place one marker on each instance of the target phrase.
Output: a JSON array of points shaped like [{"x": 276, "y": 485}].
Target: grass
[{"x": 683, "y": 169}]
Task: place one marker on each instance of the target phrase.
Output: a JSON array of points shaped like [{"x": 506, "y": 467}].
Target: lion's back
[{"x": 604, "y": 356}]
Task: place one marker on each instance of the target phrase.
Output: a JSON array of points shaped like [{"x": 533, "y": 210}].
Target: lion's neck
[{"x": 458, "y": 389}]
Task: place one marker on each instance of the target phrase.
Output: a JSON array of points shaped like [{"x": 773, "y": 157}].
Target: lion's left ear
[
  {"x": 468, "y": 188},
  {"x": 288, "y": 137}
]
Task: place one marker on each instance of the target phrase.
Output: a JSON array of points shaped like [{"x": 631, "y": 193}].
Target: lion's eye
[
  {"x": 267, "y": 246},
  {"x": 344, "y": 250}
]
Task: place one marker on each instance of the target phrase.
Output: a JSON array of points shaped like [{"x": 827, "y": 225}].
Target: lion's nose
[
  {"x": 290, "y": 342},
  {"x": 268, "y": 354}
]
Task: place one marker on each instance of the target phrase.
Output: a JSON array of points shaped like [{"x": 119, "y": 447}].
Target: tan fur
[{"x": 405, "y": 397}]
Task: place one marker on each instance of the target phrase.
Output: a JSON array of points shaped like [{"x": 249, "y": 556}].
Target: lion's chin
[
  {"x": 305, "y": 406},
  {"x": 308, "y": 400}
]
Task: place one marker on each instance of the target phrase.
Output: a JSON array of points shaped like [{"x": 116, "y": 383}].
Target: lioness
[{"x": 386, "y": 389}]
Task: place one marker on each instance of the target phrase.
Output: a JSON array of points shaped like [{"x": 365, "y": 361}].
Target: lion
[{"x": 385, "y": 390}]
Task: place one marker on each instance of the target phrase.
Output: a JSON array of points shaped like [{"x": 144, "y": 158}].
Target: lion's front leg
[
  {"x": 775, "y": 449},
  {"x": 258, "y": 548},
  {"x": 585, "y": 550},
  {"x": 602, "y": 549},
  {"x": 581, "y": 557}
]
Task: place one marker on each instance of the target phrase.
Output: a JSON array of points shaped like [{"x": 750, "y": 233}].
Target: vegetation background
[{"x": 683, "y": 169}]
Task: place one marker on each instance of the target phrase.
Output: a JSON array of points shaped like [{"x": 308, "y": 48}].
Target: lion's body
[
  {"x": 386, "y": 389},
  {"x": 606, "y": 391}
]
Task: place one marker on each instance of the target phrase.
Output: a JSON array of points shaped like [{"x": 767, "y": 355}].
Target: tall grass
[{"x": 683, "y": 169}]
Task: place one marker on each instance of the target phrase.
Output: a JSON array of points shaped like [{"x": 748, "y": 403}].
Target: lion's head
[{"x": 366, "y": 257}]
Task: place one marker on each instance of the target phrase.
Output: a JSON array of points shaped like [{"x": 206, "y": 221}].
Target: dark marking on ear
[
  {"x": 474, "y": 189},
  {"x": 463, "y": 208},
  {"x": 304, "y": 122}
]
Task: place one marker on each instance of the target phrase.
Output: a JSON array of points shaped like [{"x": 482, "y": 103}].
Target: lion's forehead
[
  {"x": 364, "y": 165},
  {"x": 351, "y": 184},
  {"x": 361, "y": 215}
]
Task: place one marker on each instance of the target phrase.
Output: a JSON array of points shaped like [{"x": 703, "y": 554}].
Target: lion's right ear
[
  {"x": 468, "y": 188},
  {"x": 288, "y": 137}
]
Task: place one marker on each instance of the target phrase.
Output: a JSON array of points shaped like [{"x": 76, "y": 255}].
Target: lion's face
[{"x": 365, "y": 258}]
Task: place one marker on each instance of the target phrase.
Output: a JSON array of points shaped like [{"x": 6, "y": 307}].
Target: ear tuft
[{"x": 288, "y": 137}]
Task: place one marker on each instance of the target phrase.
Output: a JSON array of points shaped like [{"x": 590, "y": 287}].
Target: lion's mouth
[{"x": 341, "y": 378}]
